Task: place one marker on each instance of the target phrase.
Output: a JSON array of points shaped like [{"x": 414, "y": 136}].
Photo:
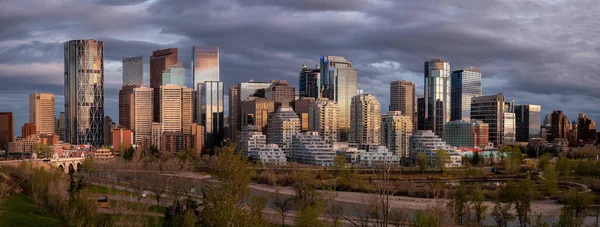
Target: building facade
[
  {"x": 586, "y": 128},
  {"x": 402, "y": 98},
  {"x": 339, "y": 82},
  {"x": 28, "y": 129},
  {"x": 510, "y": 129},
  {"x": 426, "y": 142},
  {"x": 471, "y": 134},
  {"x": 560, "y": 125},
  {"x": 255, "y": 111},
  {"x": 323, "y": 118},
  {"x": 308, "y": 83},
  {"x": 172, "y": 142},
  {"x": 437, "y": 95},
  {"x": 41, "y": 112},
  {"x": 133, "y": 70},
  {"x": 174, "y": 75},
  {"x": 237, "y": 94},
  {"x": 160, "y": 61},
  {"x": 122, "y": 138},
  {"x": 84, "y": 92},
  {"x": 365, "y": 120},
  {"x": 527, "y": 119},
  {"x": 490, "y": 109},
  {"x": 281, "y": 92},
  {"x": 205, "y": 64},
  {"x": 396, "y": 130},
  {"x": 309, "y": 149},
  {"x": 7, "y": 129},
  {"x": 302, "y": 108},
  {"x": 465, "y": 84},
  {"x": 282, "y": 126},
  {"x": 175, "y": 110},
  {"x": 126, "y": 105},
  {"x": 142, "y": 113}
]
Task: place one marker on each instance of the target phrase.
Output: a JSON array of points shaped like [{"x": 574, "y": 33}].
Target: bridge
[{"x": 67, "y": 165}]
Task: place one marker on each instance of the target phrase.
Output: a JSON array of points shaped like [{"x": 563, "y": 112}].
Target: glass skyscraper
[
  {"x": 205, "y": 64},
  {"x": 437, "y": 95},
  {"x": 339, "y": 82},
  {"x": 133, "y": 71},
  {"x": 309, "y": 82},
  {"x": 466, "y": 84},
  {"x": 174, "y": 75},
  {"x": 210, "y": 111},
  {"x": 528, "y": 121},
  {"x": 84, "y": 92}
]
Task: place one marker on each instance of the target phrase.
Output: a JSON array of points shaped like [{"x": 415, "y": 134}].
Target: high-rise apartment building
[
  {"x": 239, "y": 93},
  {"x": 281, "y": 92},
  {"x": 211, "y": 112},
  {"x": 396, "y": 129},
  {"x": 41, "y": 112},
  {"x": 175, "y": 110},
  {"x": 365, "y": 120},
  {"x": 586, "y": 128},
  {"x": 308, "y": 148},
  {"x": 133, "y": 70},
  {"x": 302, "y": 107},
  {"x": 308, "y": 83},
  {"x": 461, "y": 133},
  {"x": 283, "y": 124},
  {"x": 84, "y": 92},
  {"x": 490, "y": 109},
  {"x": 437, "y": 95},
  {"x": 560, "y": 125},
  {"x": 466, "y": 84},
  {"x": 402, "y": 98},
  {"x": 174, "y": 75},
  {"x": 323, "y": 117},
  {"x": 160, "y": 61},
  {"x": 527, "y": 119},
  {"x": 339, "y": 82},
  {"x": 255, "y": 111},
  {"x": 126, "y": 104},
  {"x": 142, "y": 113},
  {"x": 7, "y": 129}
]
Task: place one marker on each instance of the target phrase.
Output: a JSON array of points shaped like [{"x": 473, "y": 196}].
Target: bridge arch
[
  {"x": 61, "y": 167},
  {"x": 78, "y": 166},
  {"x": 71, "y": 168}
]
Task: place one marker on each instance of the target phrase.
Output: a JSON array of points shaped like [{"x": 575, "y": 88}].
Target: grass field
[
  {"x": 19, "y": 210},
  {"x": 104, "y": 190}
]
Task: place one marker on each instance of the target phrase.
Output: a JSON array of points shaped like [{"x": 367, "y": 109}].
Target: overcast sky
[{"x": 537, "y": 52}]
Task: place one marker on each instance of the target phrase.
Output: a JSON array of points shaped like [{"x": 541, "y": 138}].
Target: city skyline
[{"x": 34, "y": 63}]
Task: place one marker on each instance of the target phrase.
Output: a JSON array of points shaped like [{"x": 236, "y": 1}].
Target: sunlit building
[
  {"x": 437, "y": 95},
  {"x": 323, "y": 117},
  {"x": 527, "y": 119},
  {"x": 339, "y": 83},
  {"x": 466, "y": 84},
  {"x": 490, "y": 109},
  {"x": 396, "y": 130},
  {"x": 160, "y": 61},
  {"x": 41, "y": 112},
  {"x": 365, "y": 120},
  {"x": 282, "y": 126},
  {"x": 402, "y": 98},
  {"x": 309, "y": 149}
]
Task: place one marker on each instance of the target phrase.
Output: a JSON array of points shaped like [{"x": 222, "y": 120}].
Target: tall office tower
[
  {"x": 509, "y": 131},
  {"x": 107, "y": 131},
  {"x": 84, "y": 92},
  {"x": 160, "y": 61},
  {"x": 421, "y": 121},
  {"x": 339, "y": 83},
  {"x": 174, "y": 75},
  {"x": 157, "y": 131},
  {"x": 205, "y": 64},
  {"x": 586, "y": 128},
  {"x": 198, "y": 135},
  {"x": 175, "y": 110},
  {"x": 309, "y": 82},
  {"x": 60, "y": 126},
  {"x": 282, "y": 126},
  {"x": 239, "y": 93},
  {"x": 133, "y": 70},
  {"x": 302, "y": 107},
  {"x": 527, "y": 118},
  {"x": 396, "y": 130},
  {"x": 365, "y": 120},
  {"x": 187, "y": 110},
  {"x": 466, "y": 84},
  {"x": 27, "y": 130},
  {"x": 461, "y": 133},
  {"x": 402, "y": 98},
  {"x": 142, "y": 113},
  {"x": 437, "y": 95},
  {"x": 490, "y": 109},
  {"x": 7, "y": 129},
  {"x": 323, "y": 117},
  {"x": 126, "y": 105},
  {"x": 41, "y": 112},
  {"x": 255, "y": 111},
  {"x": 281, "y": 92},
  {"x": 560, "y": 125},
  {"x": 310, "y": 149},
  {"x": 210, "y": 109}
]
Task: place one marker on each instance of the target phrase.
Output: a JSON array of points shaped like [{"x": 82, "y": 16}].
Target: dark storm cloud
[{"x": 541, "y": 52}]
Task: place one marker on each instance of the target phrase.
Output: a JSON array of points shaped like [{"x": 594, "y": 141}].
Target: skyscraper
[
  {"x": 586, "y": 128},
  {"x": 160, "y": 61},
  {"x": 302, "y": 107},
  {"x": 210, "y": 109},
  {"x": 205, "y": 64},
  {"x": 174, "y": 75},
  {"x": 365, "y": 120},
  {"x": 282, "y": 126},
  {"x": 255, "y": 111},
  {"x": 308, "y": 82},
  {"x": 7, "y": 129},
  {"x": 126, "y": 105},
  {"x": 142, "y": 114},
  {"x": 528, "y": 122},
  {"x": 133, "y": 70},
  {"x": 173, "y": 112},
  {"x": 437, "y": 95},
  {"x": 239, "y": 93},
  {"x": 560, "y": 125},
  {"x": 41, "y": 112},
  {"x": 421, "y": 120},
  {"x": 396, "y": 130},
  {"x": 490, "y": 109},
  {"x": 466, "y": 84},
  {"x": 84, "y": 92},
  {"x": 402, "y": 98},
  {"x": 509, "y": 131},
  {"x": 281, "y": 92},
  {"x": 339, "y": 82},
  {"x": 60, "y": 126},
  {"x": 108, "y": 130},
  {"x": 323, "y": 117}
]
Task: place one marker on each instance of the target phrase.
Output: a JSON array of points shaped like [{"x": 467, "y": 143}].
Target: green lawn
[
  {"x": 104, "y": 190},
  {"x": 19, "y": 210}
]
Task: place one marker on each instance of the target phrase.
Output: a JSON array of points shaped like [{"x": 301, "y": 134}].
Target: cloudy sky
[{"x": 538, "y": 52}]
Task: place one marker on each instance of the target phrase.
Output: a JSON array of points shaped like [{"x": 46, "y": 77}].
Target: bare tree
[{"x": 282, "y": 206}]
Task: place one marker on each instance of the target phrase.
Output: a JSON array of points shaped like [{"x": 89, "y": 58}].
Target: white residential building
[
  {"x": 268, "y": 154},
  {"x": 323, "y": 117},
  {"x": 365, "y": 120},
  {"x": 396, "y": 130},
  {"x": 378, "y": 156},
  {"x": 282, "y": 126},
  {"x": 425, "y": 141},
  {"x": 253, "y": 144},
  {"x": 310, "y": 149}
]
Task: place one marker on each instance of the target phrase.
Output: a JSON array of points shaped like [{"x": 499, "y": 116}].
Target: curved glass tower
[{"x": 84, "y": 92}]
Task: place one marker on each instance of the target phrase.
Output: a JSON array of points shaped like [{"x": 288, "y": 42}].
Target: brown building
[
  {"x": 160, "y": 61},
  {"x": 122, "y": 137},
  {"x": 281, "y": 92},
  {"x": 560, "y": 125},
  {"x": 41, "y": 112},
  {"x": 402, "y": 98},
  {"x": 176, "y": 141},
  {"x": 586, "y": 128},
  {"x": 198, "y": 135},
  {"x": 126, "y": 105},
  {"x": 234, "y": 102},
  {"x": 27, "y": 130},
  {"x": 7, "y": 129},
  {"x": 109, "y": 125},
  {"x": 301, "y": 107},
  {"x": 255, "y": 111}
]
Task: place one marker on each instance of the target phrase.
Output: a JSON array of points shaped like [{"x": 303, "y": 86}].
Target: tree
[
  {"x": 475, "y": 159},
  {"x": 442, "y": 157},
  {"x": 458, "y": 206},
  {"x": 127, "y": 152},
  {"x": 501, "y": 213},
  {"x": 477, "y": 204},
  {"x": 512, "y": 163},
  {"x": 42, "y": 150},
  {"x": 522, "y": 193},
  {"x": 282, "y": 206},
  {"x": 423, "y": 219},
  {"x": 576, "y": 208},
  {"x": 422, "y": 161},
  {"x": 544, "y": 160},
  {"x": 550, "y": 179},
  {"x": 563, "y": 166}
]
